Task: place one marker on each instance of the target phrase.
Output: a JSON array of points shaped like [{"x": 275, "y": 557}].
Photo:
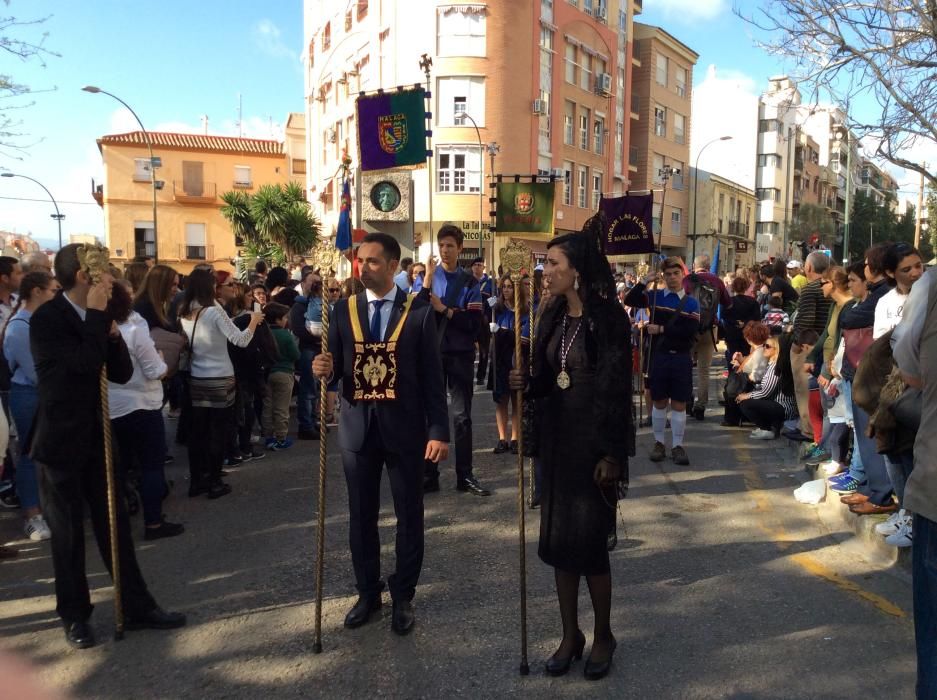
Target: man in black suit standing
[
  {"x": 384, "y": 346},
  {"x": 71, "y": 338}
]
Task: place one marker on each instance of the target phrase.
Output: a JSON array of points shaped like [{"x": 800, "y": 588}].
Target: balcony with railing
[
  {"x": 196, "y": 252},
  {"x": 194, "y": 192},
  {"x": 737, "y": 228},
  {"x": 97, "y": 192}
]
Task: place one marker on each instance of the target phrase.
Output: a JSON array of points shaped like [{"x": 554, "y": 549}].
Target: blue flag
[
  {"x": 343, "y": 231},
  {"x": 714, "y": 267}
]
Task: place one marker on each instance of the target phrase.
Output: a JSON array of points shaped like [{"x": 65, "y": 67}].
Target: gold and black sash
[{"x": 375, "y": 363}]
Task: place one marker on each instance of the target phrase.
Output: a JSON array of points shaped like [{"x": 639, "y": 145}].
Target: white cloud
[
  {"x": 688, "y": 11},
  {"x": 266, "y": 36}
]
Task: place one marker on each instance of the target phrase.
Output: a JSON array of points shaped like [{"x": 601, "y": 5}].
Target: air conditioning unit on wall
[
  {"x": 539, "y": 107},
  {"x": 603, "y": 84}
]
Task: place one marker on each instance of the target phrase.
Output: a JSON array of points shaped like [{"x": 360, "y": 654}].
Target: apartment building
[
  {"x": 533, "y": 88},
  {"x": 192, "y": 172},
  {"x": 661, "y": 106},
  {"x": 877, "y": 184},
  {"x": 805, "y": 155},
  {"x": 722, "y": 211}
]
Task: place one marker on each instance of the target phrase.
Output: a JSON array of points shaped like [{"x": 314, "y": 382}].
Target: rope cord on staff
[
  {"x": 111, "y": 507},
  {"x": 323, "y": 456},
  {"x": 326, "y": 259}
]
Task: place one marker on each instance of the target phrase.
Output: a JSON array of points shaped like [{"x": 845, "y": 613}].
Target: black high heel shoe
[
  {"x": 560, "y": 667},
  {"x": 594, "y": 671}
]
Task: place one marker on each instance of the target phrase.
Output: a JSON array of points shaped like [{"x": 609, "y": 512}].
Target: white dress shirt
[{"x": 389, "y": 299}]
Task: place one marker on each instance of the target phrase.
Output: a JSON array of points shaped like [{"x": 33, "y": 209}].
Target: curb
[{"x": 837, "y": 517}]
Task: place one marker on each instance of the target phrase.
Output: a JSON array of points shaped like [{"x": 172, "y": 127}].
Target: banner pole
[
  {"x": 516, "y": 257},
  {"x": 665, "y": 175},
  {"x": 426, "y": 63}
]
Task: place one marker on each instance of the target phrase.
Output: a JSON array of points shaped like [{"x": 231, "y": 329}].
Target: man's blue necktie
[{"x": 376, "y": 334}]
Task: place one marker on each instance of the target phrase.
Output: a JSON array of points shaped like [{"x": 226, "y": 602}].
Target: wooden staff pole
[
  {"x": 515, "y": 258},
  {"x": 326, "y": 258}
]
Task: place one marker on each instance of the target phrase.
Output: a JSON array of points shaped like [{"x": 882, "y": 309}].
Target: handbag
[
  {"x": 171, "y": 345},
  {"x": 858, "y": 340},
  {"x": 185, "y": 354},
  {"x": 736, "y": 383}
]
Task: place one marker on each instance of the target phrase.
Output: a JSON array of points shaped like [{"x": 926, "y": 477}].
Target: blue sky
[{"x": 172, "y": 61}]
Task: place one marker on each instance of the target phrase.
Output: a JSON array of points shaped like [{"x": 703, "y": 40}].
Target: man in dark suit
[
  {"x": 395, "y": 417},
  {"x": 71, "y": 338}
]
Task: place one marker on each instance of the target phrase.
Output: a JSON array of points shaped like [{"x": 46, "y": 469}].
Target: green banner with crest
[{"x": 525, "y": 207}]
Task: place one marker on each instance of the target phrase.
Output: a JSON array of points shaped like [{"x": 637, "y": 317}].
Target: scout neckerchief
[{"x": 374, "y": 369}]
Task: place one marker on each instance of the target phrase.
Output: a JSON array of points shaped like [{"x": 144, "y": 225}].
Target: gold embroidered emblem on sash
[{"x": 374, "y": 367}]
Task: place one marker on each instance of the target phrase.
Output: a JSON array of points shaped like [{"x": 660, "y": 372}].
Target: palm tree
[{"x": 276, "y": 215}]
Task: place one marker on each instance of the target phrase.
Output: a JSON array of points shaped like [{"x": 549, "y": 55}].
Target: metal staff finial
[{"x": 516, "y": 259}]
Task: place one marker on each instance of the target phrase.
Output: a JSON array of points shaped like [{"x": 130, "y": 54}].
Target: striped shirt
[{"x": 770, "y": 388}]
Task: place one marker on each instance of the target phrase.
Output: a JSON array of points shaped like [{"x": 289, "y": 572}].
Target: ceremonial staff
[
  {"x": 665, "y": 174},
  {"x": 515, "y": 259},
  {"x": 326, "y": 259},
  {"x": 95, "y": 261},
  {"x": 531, "y": 474}
]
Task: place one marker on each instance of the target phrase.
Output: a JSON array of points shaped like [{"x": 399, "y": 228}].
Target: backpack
[{"x": 708, "y": 300}]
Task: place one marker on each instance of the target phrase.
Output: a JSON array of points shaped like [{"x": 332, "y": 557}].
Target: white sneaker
[
  {"x": 830, "y": 467},
  {"x": 892, "y": 525},
  {"x": 902, "y": 538},
  {"x": 762, "y": 435},
  {"x": 36, "y": 529}
]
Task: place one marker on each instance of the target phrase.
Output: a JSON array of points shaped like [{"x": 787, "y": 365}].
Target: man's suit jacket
[
  {"x": 68, "y": 353},
  {"x": 419, "y": 412}
]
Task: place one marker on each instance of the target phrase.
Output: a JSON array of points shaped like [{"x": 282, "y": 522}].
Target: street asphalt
[{"x": 724, "y": 587}]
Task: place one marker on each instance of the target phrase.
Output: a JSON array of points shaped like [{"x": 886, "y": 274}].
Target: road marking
[{"x": 770, "y": 523}]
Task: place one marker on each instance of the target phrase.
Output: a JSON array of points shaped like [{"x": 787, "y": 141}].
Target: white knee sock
[
  {"x": 678, "y": 426},
  {"x": 658, "y": 422}
]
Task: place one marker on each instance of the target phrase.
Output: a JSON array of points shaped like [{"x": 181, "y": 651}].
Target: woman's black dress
[{"x": 576, "y": 516}]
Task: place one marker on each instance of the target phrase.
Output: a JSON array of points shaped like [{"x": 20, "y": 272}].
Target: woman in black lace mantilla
[{"x": 581, "y": 384}]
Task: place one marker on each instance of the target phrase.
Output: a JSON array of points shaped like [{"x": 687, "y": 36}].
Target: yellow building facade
[{"x": 192, "y": 173}]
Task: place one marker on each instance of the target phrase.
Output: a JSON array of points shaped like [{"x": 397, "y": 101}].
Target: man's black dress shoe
[
  {"x": 430, "y": 484},
  {"x": 79, "y": 635},
  {"x": 470, "y": 485},
  {"x": 403, "y": 618},
  {"x": 155, "y": 619},
  {"x": 596, "y": 670},
  {"x": 362, "y": 610},
  {"x": 560, "y": 667}
]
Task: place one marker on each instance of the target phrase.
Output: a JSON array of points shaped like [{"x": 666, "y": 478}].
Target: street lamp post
[
  {"x": 481, "y": 175},
  {"x": 696, "y": 189},
  {"x": 149, "y": 144},
  {"x": 58, "y": 216},
  {"x": 842, "y": 136}
]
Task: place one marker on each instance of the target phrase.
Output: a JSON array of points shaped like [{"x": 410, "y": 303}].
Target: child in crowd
[
  {"x": 276, "y": 417},
  {"x": 776, "y": 316}
]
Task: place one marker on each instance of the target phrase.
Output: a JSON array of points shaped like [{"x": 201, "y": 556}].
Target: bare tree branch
[
  {"x": 12, "y": 43},
  {"x": 854, "y": 51}
]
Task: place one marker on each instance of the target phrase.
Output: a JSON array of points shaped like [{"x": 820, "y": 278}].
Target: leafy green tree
[
  {"x": 810, "y": 219},
  {"x": 275, "y": 216}
]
